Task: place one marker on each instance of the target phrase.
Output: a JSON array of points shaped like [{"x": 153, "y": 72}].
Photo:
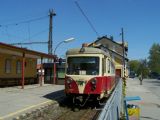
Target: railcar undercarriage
[{"x": 81, "y": 100}]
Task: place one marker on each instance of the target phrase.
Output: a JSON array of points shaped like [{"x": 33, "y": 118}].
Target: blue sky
[{"x": 139, "y": 18}]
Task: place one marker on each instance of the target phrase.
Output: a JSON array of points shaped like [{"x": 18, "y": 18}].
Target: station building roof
[{"x": 112, "y": 46}]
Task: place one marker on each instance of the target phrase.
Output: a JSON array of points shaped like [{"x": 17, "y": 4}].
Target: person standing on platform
[{"x": 140, "y": 78}]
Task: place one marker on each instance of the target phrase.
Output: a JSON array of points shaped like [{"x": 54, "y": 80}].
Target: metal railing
[{"x": 113, "y": 106}]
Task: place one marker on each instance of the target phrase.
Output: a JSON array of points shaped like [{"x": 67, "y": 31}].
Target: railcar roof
[{"x": 87, "y": 50}]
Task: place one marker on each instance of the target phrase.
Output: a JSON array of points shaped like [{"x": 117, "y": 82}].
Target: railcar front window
[{"x": 83, "y": 66}]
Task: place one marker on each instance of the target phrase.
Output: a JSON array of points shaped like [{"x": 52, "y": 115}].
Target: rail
[{"x": 113, "y": 106}]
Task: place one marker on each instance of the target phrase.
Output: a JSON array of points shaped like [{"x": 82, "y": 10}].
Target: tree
[
  {"x": 154, "y": 58},
  {"x": 140, "y": 67},
  {"x": 143, "y": 69},
  {"x": 134, "y": 65}
]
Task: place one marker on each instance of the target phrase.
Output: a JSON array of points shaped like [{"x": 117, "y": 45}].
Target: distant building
[
  {"x": 18, "y": 65},
  {"x": 116, "y": 51}
]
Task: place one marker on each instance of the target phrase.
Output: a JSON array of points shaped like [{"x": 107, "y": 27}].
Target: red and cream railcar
[{"x": 90, "y": 73}]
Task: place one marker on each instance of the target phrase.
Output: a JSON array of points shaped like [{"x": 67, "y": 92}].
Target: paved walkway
[
  {"x": 150, "y": 103},
  {"x": 15, "y": 101}
]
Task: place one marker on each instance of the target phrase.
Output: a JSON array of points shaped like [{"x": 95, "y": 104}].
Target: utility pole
[
  {"x": 123, "y": 77},
  {"x": 123, "y": 49},
  {"x": 50, "y": 49}
]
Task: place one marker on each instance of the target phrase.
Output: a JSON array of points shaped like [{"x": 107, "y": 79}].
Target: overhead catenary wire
[
  {"x": 34, "y": 35},
  {"x": 6, "y": 30},
  {"x": 31, "y": 42},
  {"x": 24, "y": 22},
  {"x": 6, "y": 26},
  {"x": 29, "y": 33},
  {"x": 25, "y": 39},
  {"x": 89, "y": 22},
  {"x": 27, "y": 22},
  {"x": 28, "y": 43},
  {"x": 11, "y": 35}
]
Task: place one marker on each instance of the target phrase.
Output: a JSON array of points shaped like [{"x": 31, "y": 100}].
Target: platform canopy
[{"x": 17, "y": 51}]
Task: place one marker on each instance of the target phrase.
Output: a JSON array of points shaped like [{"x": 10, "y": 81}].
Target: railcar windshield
[{"x": 83, "y": 65}]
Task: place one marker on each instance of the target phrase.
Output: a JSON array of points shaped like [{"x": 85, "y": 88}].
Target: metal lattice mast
[{"x": 51, "y": 14}]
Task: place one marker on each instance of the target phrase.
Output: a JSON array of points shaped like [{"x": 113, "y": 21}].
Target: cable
[
  {"x": 25, "y": 39},
  {"x": 6, "y": 29},
  {"x": 34, "y": 35},
  {"x": 29, "y": 43},
  {"x": 29, "y": 31},
  {"x": 11, "y": 36},
  {"x": 29, "y": 34},
  {"x": 23, "y": 22},
  {"x": 89, "y": 22}
]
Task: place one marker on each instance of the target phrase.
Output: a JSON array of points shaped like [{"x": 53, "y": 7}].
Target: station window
[
  {"x": 18, "y": 67},
  {"x": 7, "y": 66}
]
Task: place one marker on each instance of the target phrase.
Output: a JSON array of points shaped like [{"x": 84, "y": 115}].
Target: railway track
[{"x": 62, "y": 110}]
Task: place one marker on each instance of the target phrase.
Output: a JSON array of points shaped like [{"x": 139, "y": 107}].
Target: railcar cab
[{"x": 88, "y": 72}]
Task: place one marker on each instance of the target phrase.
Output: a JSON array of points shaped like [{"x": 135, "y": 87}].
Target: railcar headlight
[
  {"x": 93, "y": 82},
  {"x": 68, "y": 81}
]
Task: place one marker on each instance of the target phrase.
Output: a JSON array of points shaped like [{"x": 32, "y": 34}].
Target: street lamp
[{"x": 64, "y": 41}]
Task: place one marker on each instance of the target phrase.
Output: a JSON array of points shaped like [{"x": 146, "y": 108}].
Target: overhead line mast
[
  {"x": 123, "y": 48},
  {"x": 50, "y": 42}
]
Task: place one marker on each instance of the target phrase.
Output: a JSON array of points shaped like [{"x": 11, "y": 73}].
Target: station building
[
  {"x": 116, "y": 52},
  {"x": 18, "y": 66}
]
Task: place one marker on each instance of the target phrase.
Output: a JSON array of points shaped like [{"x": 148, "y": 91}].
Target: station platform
[
  {"x": 15, "y": 101},
  {"x": 150, "y": 102}
]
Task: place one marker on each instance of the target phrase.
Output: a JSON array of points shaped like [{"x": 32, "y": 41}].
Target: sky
[{"x": 28, "y": 21}]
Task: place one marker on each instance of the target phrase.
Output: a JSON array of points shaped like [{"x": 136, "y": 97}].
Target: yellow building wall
[
  {"x": 118, "y": 61},
  {"x": 119, "y": 65},
  {"x": 30, "y": 69}
]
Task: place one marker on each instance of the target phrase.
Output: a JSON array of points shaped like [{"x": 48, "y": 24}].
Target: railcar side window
[
  {"x": 112, "y": 69},
  {"x": 83, "y": 65},
  {"x": 103, "y": 66},
  {"x": 108, "y": 65}
]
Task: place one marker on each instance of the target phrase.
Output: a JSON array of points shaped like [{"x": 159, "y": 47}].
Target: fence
[{"x": 113, "y": 106}]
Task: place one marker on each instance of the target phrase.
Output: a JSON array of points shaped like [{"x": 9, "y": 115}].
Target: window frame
[
  {"x": 8, "y": 66},
  {"x": 18, "y": 67}
]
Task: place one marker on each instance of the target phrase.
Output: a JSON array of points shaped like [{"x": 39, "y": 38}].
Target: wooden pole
[
  {"x": 54, "y": 69},
  {"x": 23, "y": 69},
  {"x": 41, "y": 76}
]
